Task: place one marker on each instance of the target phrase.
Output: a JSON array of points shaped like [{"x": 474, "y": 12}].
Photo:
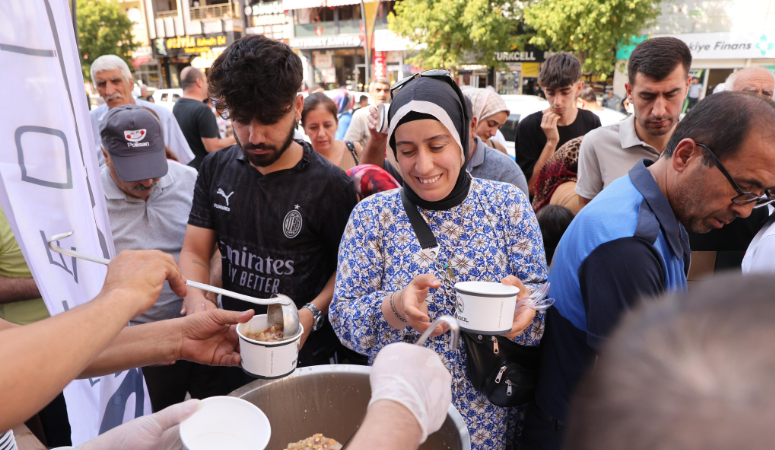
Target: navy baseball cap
[{"x": 133, "y": 137}]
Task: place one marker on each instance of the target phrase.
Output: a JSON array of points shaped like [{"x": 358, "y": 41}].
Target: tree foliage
[
  {"x": 591, "y": 29},
  {"x": 455, "y": 29},
  {"x": 103, "y": 29}
]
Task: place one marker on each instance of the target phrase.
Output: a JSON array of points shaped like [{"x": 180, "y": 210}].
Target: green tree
[
  {"x": 455, "y": 29},
  {"x": 591, "y": 29},
  {"x": 103, "y": 29}
]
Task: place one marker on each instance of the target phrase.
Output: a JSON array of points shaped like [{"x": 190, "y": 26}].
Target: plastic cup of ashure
[
  {"x": 485, "y": 307},
  {"x": 226, "y": 423}
]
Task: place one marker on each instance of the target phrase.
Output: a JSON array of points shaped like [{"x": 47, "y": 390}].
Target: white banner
[
  {"x": 50, "y": 183},
  {"x": 733, "y": 45}
]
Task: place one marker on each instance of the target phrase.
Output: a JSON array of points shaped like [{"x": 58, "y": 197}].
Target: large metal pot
[{"x": 331, "y": 400}]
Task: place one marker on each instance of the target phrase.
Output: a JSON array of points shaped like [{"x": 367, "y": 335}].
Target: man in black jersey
[
  {"x": 275, "y": 208},
  {"x": 543, "y": 132}
]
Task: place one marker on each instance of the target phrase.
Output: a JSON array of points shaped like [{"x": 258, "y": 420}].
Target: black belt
[{"x": 558, "y": 426}]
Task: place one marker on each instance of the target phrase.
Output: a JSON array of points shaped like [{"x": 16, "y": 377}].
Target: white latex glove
[
  {"x": 155, "y": 432},
  {"x": 416, "y": 378}
]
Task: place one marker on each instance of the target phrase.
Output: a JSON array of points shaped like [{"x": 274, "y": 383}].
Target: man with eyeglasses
[
  {"x": 752, "y": 80},
  {"x": 631, "y": 241},
  {"x": 725, "y": 249},
  {"x": 358, "y": 131}
]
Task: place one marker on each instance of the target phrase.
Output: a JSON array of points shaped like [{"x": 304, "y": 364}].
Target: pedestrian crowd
[{"x": 327, "y": 202}]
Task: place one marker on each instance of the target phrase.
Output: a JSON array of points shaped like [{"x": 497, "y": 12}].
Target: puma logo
[{"x": 223, "y": 194}]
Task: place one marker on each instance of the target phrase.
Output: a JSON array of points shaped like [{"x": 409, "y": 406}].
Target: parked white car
[{"x": 167, "y": 97}]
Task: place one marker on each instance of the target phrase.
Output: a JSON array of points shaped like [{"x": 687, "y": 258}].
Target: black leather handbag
[{"x": 504, "y": 371}]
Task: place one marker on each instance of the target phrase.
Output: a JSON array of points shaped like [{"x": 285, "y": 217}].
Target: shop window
[{"x": 313, "y": 15}]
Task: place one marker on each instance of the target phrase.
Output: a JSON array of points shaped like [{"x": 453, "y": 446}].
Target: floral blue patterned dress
[{"x": 492, "y": 234}]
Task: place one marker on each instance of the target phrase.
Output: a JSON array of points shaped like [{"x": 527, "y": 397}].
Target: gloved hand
[
  {"x": 155, "y": 432},
  {"x": 416, "y": 378}
]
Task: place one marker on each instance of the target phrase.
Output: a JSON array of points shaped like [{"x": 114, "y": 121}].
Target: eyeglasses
[
  {"x": 441, "y": 74},
  {"x": 743, "y": 197}
]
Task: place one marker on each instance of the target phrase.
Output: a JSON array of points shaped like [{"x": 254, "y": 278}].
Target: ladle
[{"x": 281, "y": 309}]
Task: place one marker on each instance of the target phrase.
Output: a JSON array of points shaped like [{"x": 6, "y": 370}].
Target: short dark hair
[
  {"x": 722, "y": 121},
  {"x": 553, "y": 220},
  {"x": 256, "y": 78},
  {"x": 658, "y": 57},
  {"x": 363, "y": 97},
  {"x": 560, "y": 70},
  {"x": 689, "y": 371},
  {"x": 588, "y": 94},
  {"x": 314, "y": 100}
]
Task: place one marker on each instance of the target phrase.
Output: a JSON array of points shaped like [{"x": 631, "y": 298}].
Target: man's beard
[
  {"x": 653, "y": 131},
  {"x": 269, "y": 158}
]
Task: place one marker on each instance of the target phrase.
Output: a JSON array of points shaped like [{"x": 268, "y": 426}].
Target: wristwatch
[{"x": 317, "y": 316}]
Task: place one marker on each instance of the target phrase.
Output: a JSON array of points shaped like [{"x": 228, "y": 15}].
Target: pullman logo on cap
[{"x": 134, "y": 137}]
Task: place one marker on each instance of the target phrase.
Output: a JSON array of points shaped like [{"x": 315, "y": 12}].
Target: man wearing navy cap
[{"x": 148, "y": 200}]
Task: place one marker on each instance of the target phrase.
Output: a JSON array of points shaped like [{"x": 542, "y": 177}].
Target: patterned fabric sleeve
[
  {"x": 356, "y": 311},
  {"x": 526, "y": 255}
]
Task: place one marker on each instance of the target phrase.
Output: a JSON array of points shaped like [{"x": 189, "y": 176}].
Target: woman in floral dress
[{"x": 388, "y": 290}]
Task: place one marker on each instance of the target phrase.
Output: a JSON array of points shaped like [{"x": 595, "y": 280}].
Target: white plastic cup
[
  {"x": 267, "y": 359},
  {"x": 485, "y": 307},
  {"x": 226, "y": 422}
]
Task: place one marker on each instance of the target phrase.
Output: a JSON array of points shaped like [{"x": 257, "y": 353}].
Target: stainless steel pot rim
[
  {"x": 286, "y": 341},
  {"x": 453, "y": 413}
]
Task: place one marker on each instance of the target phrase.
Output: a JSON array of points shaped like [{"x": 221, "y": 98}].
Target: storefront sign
[
  {"x": 530, "y": 69},
  {"x": 327, "y": 42},
  {"x": 380, "y": 65},
  {"x": 739, "y": 45},
  {"x": 323, "y": 60},
  {"x": 265, "y": 9},
  {"x": 527, "y": 54},
  {"x": 625, "y": 50},
  {"x": 194, "y": 45}
]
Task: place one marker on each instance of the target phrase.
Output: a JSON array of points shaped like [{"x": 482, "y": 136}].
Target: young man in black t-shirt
[
  {"x": 543, "y": 132},
  {"x": 196, "y": 119},
  {"x": 275, "y": 208}
]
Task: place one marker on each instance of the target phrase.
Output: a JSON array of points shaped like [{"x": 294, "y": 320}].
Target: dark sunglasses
[
  {"x": 743, "y": 197},
  {"x": 441, "y": 74}
]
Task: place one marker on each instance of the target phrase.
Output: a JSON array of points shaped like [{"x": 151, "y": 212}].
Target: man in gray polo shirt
[
  {"x": 658, "y": 84},
  {"x": 148, "y": 200}
]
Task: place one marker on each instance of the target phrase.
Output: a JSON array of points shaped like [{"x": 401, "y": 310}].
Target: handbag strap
[
  {"x": 421, "y": 228},
  {"x": 351, "y": 147}
]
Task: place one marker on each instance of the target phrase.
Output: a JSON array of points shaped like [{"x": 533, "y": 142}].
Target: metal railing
[
  {"x": 223, "y": 11},
  {"x": 166, "y": 14}
]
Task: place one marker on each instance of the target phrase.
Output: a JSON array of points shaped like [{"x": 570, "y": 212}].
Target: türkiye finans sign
[{"x": 742, "y": 45}]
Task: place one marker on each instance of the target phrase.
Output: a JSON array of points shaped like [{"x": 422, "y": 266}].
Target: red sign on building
[{"x": 380, "y": 65}]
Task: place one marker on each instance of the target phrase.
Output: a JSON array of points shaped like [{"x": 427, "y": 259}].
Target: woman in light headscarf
[
  {"x": 490, "y": 112},
  {"x": 388, "y": 290}
]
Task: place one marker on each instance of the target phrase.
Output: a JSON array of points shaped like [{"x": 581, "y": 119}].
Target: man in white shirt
[
  {"x": 112, "y": 78},
  {"x": 759, "y": 256},
  {"x": 359, "y": 126}
]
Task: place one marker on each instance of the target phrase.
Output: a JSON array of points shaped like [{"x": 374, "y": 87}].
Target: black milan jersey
[{"x": 278, "y": 233}]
